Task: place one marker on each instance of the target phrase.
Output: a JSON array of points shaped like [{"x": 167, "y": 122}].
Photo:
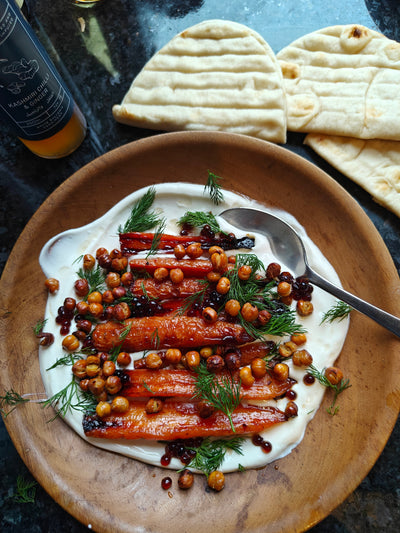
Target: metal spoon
[{"x": 288, "y": 247}]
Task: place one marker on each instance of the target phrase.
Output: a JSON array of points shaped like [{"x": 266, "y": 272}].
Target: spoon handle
[{"x": 386, "y": 320}]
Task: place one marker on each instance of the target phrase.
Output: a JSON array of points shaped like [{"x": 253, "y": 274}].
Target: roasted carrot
[
  {"x": 198, "y": 268},
  {"x": 166, "y": 289},
  {"x": 175, "y": 382},
  {"x": 179, "y": 420},
  {"x": 149, "y": 333}
]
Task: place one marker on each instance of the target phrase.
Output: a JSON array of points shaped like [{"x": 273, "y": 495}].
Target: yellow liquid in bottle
[{"x": 62, "y": 143}]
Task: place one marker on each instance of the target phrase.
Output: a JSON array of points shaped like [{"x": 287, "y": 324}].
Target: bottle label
[{"x": 33, "y": 97}]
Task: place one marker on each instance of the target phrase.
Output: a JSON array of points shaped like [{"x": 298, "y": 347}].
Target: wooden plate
[{"x": 113, "y": 493}]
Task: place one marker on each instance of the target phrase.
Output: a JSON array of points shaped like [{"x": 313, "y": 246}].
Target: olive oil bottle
[{"x": 34, "y": 100}]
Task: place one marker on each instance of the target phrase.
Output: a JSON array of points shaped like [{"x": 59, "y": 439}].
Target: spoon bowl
[{"x": 288, "y": 248}]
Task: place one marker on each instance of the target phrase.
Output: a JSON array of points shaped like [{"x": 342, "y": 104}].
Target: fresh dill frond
[
  {"x": 280, "y": 324},
  {"x": 115, "y": 351},
  {"x": 211, "y": 453},
  {"x": 147, "y": 387},
  {"x": 338, "y": 388},
  {"x": 155, "y": 339},
  {"x": 213, "y": 187},
  {"x": 141, "y": 218},
  {"x": 68, "y": 359},
  {"x": 26, "y": 491},
  {"x": 96, "y": 278},
  {"x": 339, "y": 311},
  {"x": 157, "y": 237},
  {"x": 241, "y": 468},
  {"x": 245, "y": 290},
  {"x": 198, "y": 219},
  {"x": 222, "y": 393},
  {"x": 38, "y": 327},
  {"x": 71, "y": 397},
  {"x": 11, "y": 399},
  {"x": 196, "y": 297}
]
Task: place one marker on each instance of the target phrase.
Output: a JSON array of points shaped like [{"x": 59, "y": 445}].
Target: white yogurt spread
[{"x": 324, "y": 341}]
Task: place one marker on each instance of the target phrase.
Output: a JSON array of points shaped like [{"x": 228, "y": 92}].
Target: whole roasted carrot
[
  {"x": 197, "y": 268},
  {"x": 176, "y": 382},
  {"x": 179, "y": 420},
  {"x": 166, "y": 289},
  {"x": 150, "y": 333}
]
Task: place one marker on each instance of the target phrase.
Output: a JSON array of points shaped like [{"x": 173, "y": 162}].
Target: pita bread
[
  {"x": 343, "y": 80},
  {"x": 216, "y": 75},
  {"x": 372, "y": 164}
]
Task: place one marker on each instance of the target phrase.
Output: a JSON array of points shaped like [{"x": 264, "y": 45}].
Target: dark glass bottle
[{"x": 34, "y": 100}]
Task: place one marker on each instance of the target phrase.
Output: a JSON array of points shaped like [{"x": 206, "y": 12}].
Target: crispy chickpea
[
  {"x": 104, "y": 261},
  {"x": 103, "y": 409},
  {"x": 291, "y": 409},
  {"x": 88, "y": 262},
  {"x": 231, "y": 259},
  {"x": 123, "y": 359},
  {"x": 273, "y": 270},
  {"x": 96, "y": 309},
  {"x": 232, "y": 307},
  {"x": 215, "y": 250},
  {"x": 264, "y": 317},
  {"x": 160, "y": 274},
  {"x": 82, "y": 308},
  {"x": 84, "y": 325},
  {"x": 302, "y": 358},
  {"x": 287, "y": 348},
  {"x": 119, "y": 264},
  {"x": 176, "y": 275},
  {"x": 108, "y": 297},
  {"x": 115, "y": 253},
  {"x": 179, "y": 251},
  {"x": 194, "y": 250},
  {"x": 52, "y": 285},
  {"x": 232, "y": 360},
  {"x": 299, "y": 338},
  {"x": 246, "y": 377},
  {"x": 92, "y": 370},
  {"x": 213, "y": 277},
  {"x": 284, "y": 288},
  {"x": 216, "y": 480},
  {"x": 209, "y": 314},
  {"x": 70, "y": 343},
  {"x": 334, "y": 375},
  {"x": 80, "y": 335},
  {"x": 96, "y": 385},
  {"x": 192, "y": 359},
  {"x": 70, "y": 304},
  {"x": 120, "y": 404},
  {"x": 249, "y": 312},
  {"x": 223, "y": 285},
  {"x": 219, "y": 261},
  {"x": 153, "y": 361},
  {"x": 206, "y": 352},
  {"x": 287, "y": 300},
  {"x": 244, "y": 272},
  {"x": 113, "y": 385},
  {"x": 173, "y": 356},
  {"x": 93, "y": 360},
  {"x": 258, "y": 368},
  {"x": 154, "y": 405},
  {"x": 84, "y": 384},
  {"x": 101, "y": 251},
  {"x": 113, "y": 279},
  {"x": 127, "y": 278},
  {"x": 205, "y": 409},
  {"x": 119, "y": 292},
  {"x": 281, "y": 371},
  {"x": 79, "y": 368},
  {"x": 108, "y": 368},
  {"x": 81, "y": 287},
  {"x": 304, "y": 308},
  {"x": 215, "y": 363},
  {"x": 186, "y": 479},
  {"x": 94, "y": 298},
  {"x": 121, "y": 311}
]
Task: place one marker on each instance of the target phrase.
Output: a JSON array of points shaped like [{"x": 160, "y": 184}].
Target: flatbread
[
  {"x": 372, "y": 164},
  {"x": 216, "y": 75},
  {"x": 343, "y": 80}
]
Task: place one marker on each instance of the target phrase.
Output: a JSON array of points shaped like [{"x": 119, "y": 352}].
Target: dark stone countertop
[{"x": 99, "y": 65}]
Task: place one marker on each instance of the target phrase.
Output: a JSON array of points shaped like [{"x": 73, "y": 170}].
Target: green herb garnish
[
  {"x": 68, "y": 359},
  {"x": 11, "y": 399},
  {"x": 198, "y": 219},
  {"x": 95, "y": 278},
  {"x": 113, "y": 355},
  {"x": 141, "y": 218},
  {"x": 214, "y": 188},
  {"x": 222, "y": 393},
  {"x": 211, "y": 453},
  {"x": 196, "y": 297},
  {"x": 71, "y": 397},
  {"x": 157, "y": 238},
  {"x": 338, "y": 388},
  {"x": 339, "y": 311},
  {"x": 38, "y": 327},
  {"x": 26, "y": 491}
]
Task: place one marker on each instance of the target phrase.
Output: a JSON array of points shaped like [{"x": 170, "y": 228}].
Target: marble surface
[{"x": 99, "y": 64}]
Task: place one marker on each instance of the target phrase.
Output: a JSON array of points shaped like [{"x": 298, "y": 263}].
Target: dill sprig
[
  {"x": 157, "y": 237},
  {"x": 140, "y": 218},
  {"x": 338, "y": 388},
  {"x": 68, "y": 359},
  {"x": 214, "y": 188},
  {"x": 38, "y": 327},
  {"x": 115, "y": 351},
  {"x": 71, "y": 397},
  {"x": 95, "y": 278},
  {"x": 211, "y": 453},
  {"x": 223, "y": 393},
  {"x": 339, "y": 311},
  {"x": 198, "y": 219},
  {"x": 26, "y": 491},
  {"x": 196, "y": 297},
  {"x": 12, "y": 399},
  {"x": 245, "y": 290}
]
